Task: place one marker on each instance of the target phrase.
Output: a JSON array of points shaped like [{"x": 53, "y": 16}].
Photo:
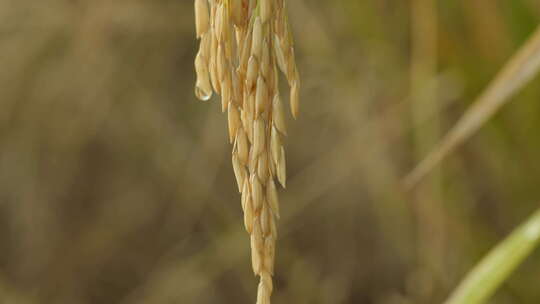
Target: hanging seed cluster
[{"x": 243, "y": 45}]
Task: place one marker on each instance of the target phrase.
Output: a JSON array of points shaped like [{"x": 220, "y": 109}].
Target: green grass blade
[{"x": 499, "y": 264}]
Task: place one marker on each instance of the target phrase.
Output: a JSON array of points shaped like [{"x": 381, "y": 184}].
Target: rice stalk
[
  {"x": 243, "y": 44},
  {"x": 514, "y": 75}
]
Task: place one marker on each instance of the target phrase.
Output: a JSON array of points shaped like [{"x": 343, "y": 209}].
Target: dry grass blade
[{"x": 517, "y": 73}]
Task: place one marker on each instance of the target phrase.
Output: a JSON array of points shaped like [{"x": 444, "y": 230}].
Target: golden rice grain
[{"x": 201, "y": 17}]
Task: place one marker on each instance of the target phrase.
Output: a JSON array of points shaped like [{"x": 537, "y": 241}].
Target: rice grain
[{"x": 243, "y": 45}]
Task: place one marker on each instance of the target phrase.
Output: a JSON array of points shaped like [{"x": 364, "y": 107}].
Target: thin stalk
[
  {"x": 425, "y": 110},
  {"x": 499, "y": 264},
  {"x": 518, "y": 72}
]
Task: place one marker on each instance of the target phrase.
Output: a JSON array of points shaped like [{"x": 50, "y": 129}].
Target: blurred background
[{"x": 116, "y": 184}]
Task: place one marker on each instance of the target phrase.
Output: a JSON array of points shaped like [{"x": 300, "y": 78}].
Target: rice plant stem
[
  {"x": 499, "y": 264},
  {"x": 519, "y": 70}
]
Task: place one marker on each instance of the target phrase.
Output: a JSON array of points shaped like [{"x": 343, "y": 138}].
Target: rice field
[{"x": 411, "y": 172}]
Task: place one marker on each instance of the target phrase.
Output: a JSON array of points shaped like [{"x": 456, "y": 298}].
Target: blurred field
[{"x": 116, "y": 184}]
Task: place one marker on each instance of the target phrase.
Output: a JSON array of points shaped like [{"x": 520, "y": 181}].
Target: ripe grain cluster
[{"x": 243, "y": 45}]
